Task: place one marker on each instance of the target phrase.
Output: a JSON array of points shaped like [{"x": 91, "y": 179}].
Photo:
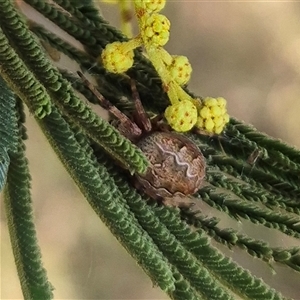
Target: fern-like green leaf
[{"x": 18, "y": 206}]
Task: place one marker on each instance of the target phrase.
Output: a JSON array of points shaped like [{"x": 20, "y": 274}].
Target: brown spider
[{"x": 176, "y": 165}]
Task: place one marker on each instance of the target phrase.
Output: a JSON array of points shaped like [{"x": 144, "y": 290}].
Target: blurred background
[{"x": 246, "y": 52}]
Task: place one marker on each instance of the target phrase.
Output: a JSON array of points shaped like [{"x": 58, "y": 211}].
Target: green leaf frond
[
  {"x": 4, "y": 164},
  {"x": 90, "y": 21},
  {"x": 206, "y": 268},
  {"x": 8, "y": 129},
  {"x": 231, "y": 238},
  {"x": 223, "y": 268},
  {"x": 72, "y": 26},
  {"x": 21, "y": 80},
  {"x": 173, "y": 246},
  {"x": 18, "y": 206},
  {"x": 263, "y": 197},
  {"x": 8, "y": 119},
  {"x": 63, "y": 94},
  {"x": 28, "y": 47},
  {"x": 104, "y": 196}
]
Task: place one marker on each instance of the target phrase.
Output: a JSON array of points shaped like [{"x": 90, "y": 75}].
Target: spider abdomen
[{"x": 177, "y": 166}]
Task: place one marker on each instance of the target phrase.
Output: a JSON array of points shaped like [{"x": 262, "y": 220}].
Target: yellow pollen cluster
[
  {"x": 180, "y": 69},
  {"x": 156, "y": 30},
  {"x": 116, "y": 58},
  {"x": 212, "y": 115},
  {"x": 181, "y": 116}
]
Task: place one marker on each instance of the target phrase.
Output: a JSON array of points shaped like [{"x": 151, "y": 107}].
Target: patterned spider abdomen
[{"x": 177, "y": 166}]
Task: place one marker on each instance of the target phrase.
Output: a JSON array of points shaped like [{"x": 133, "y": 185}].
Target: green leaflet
[
  {"x": 21, "y": 80},
  {"x": 18, "y": 207},
  {"x": 8, "y": 120},
  {"x": 4, "y": 164},
  {"x": 8, "y": 129}
]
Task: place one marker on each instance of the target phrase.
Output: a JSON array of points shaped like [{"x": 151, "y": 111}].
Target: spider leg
[
  {"x": 127, "y": 127},
  {"x": 253, "y": 158},
  {"x": 140, "y": 115}
]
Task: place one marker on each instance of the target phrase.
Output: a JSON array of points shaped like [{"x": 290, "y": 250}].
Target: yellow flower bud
[
  {"x": 180, "y": 69},
  {"x": 116, "y": 58},
  {"x": 181, "y": 116},
  {"x": 155, "y": 30},
  {"x": 212, "y": 115}
]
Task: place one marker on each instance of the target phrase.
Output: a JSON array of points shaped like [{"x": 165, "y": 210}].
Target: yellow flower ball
[
  {"x": 212, "y": 115},
  {"x": 155, "y": 31},
  {"x": 117, "y": 58},
  {"x": 181, "y": 116},
  {"x": 180, "y": 69}
]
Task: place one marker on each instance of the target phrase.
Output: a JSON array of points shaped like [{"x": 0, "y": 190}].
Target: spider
[{"x": 176, "y": 165}]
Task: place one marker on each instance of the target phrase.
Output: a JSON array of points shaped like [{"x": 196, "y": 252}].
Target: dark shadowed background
[{"x": 247, "y": 52}]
